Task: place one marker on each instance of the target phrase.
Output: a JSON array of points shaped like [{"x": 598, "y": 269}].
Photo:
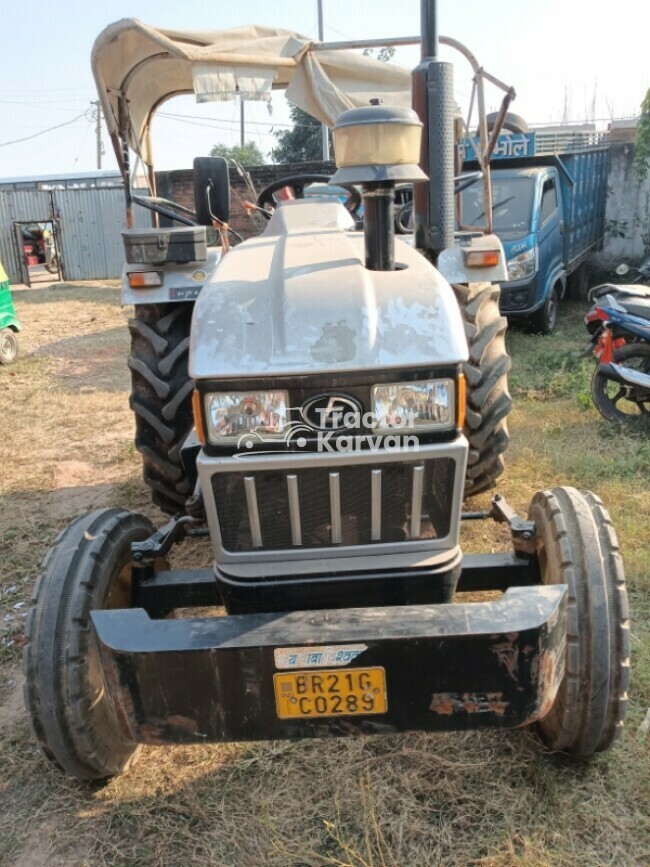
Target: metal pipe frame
[{"x": 430, "y": 42}]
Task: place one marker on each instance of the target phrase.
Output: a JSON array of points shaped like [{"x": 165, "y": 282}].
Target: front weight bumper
[{"x": 451, "y": 666}]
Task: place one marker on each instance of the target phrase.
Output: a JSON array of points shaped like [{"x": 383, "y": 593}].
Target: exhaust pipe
[
  {"x": 433, "y": 100},
  {"x": 625, "y": 375},
  {"x": 379, "y": 226}
]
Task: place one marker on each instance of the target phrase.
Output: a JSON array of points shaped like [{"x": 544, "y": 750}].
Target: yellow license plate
[{"x": 330, "y": 692}]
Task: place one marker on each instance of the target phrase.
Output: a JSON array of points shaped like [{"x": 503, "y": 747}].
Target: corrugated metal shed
[
  {"x": 17, "y": 206},
  {"x": 89, "y": 225}
]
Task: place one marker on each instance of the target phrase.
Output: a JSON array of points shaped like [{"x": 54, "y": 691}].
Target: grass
[{"x": 489, "y": 799}]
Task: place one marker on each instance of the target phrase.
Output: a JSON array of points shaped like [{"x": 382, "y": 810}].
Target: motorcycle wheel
[{"x": 617, "y": 402}]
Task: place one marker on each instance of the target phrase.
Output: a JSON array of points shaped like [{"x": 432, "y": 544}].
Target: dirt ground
[{"x": 489, "y": 799}]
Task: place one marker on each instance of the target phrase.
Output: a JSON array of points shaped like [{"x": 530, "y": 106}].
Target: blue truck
[{"x": 548, "y": 207}]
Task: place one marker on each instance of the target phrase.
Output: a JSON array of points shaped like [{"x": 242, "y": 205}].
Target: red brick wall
[{"x": 178, "y": 186}]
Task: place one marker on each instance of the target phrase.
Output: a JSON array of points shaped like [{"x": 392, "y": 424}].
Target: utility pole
[
  {"x": 324, "y": 129},
  {"x": 242, "y": 136},
  {"x": 98, "y": 131}
]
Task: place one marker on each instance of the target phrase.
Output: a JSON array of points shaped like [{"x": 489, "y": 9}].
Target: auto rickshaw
[{"x": 9, "y": 324}]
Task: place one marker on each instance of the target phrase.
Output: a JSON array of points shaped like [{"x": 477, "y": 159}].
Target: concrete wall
[{"x": 627, "y": 214}]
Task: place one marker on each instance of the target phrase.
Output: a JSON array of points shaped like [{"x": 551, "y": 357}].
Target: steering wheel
[{"x": 297, "y": 184}]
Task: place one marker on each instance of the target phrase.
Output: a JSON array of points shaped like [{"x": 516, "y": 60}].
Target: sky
[{"x": 572, "y": 59}]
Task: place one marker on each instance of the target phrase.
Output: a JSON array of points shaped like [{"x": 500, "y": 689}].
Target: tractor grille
[{"x": 345, "y": 505}]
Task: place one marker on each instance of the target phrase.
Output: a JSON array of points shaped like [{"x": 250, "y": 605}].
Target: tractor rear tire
[
  {"x": 161, "y": 398},
  {"x": 488, "y": 399},
  {"x": 88, "y": 568},
  {"x": 577, "y": 546}
]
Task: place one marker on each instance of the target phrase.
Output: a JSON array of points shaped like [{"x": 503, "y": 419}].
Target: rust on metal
[
  {"x": 547, "y": 669},
  {"x": 508, "y": 653},
  {"x": 447, "y": 703},
  {"x": 120, "y": 700}
]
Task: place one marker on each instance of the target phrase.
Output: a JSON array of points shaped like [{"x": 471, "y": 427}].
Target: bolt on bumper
[{"x": 452, "y": 666}]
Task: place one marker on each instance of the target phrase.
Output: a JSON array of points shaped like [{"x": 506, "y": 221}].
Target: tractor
[{"x": 318, "y": 401}]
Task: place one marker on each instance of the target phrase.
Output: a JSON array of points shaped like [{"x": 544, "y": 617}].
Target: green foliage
[
  {"x": 642, "y": 141},
  {"x": 303, "y": 143},
  {"x": 247, "y": 155}
]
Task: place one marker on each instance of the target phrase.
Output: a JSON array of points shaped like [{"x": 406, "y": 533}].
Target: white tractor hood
[{"x": 298, "y": 300}]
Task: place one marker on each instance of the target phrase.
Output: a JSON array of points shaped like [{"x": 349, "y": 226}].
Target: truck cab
[
  {"x": 529, "y": 219},
  {"x": 548, "y": 211}
]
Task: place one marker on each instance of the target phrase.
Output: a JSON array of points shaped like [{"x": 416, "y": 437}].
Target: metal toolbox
[{"x": 157, "y": 246}]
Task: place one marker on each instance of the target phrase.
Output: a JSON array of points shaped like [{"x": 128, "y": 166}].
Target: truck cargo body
[{"x": 548, "y": 210}]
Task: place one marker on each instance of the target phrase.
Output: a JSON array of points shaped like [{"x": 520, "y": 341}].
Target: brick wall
[{"x": 178, "y": 186}]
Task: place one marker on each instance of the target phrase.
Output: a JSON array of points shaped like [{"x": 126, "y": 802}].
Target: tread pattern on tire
[
  {"x": 161, "y": 398},
  {"x": 76, "y": 731},
  {"x": 588, "y": 713},
  {"x": 488, "y": 399}
]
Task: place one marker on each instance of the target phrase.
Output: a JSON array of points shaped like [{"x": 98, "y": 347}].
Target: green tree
[
  {"x": 301, "y": 144},
  {"x": 642, "y": 140},
  {"x": 246, "y": 155}
]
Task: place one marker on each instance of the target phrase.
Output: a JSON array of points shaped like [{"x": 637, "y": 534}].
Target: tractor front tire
[
  {"x": 161, "y": 398},
  {"x": 488, "y": 399},
  {"x": 88, "y": 568},
  {"x": 577, "y": 546}
]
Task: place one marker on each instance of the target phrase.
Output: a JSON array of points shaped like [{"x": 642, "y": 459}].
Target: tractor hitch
[{"x": 522, "y": 531}]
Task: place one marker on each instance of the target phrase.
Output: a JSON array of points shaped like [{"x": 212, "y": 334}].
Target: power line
[
  {"x": 37, "y": 100},
  {"x": 41, "y": 89},
  {"x": 197, "y": 120},
  {"x": 43, "y": 131}
]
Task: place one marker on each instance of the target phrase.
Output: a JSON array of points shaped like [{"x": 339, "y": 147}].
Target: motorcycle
[
  {"x": 633, "y": 297},
  {"x": 620, "y": 385}
]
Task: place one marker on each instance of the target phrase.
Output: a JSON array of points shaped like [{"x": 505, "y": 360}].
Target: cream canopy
[{"x": 137, "y": 67}]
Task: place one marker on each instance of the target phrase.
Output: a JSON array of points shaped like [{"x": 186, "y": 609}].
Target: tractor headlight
[
  {"x": 522, "y": 266},
  {"x": 232, "y": 415},
  {"x": 414, "y": 406}
]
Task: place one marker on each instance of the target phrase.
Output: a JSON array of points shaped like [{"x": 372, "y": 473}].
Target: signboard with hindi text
[{"x": 509, "y": 145}]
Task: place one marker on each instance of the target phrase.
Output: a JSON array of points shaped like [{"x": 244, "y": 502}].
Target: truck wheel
[
  {"x": 577, "y": 545},
  {"x": 545, "y": 319},
  {"x": 161, "y": 398},
  {"x": 486, "y": 371},
  {"x": 87, "y": 568},
  {"x": 8, "y": 346}
]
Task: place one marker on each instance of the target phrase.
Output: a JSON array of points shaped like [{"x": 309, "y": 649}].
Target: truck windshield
[{"x": 512, "y": 201}]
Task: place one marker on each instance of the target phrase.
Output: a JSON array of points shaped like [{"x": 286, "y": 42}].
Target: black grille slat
[
  {"x": 230, "y": 497},
  {"x": 314, "y": 496}
]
